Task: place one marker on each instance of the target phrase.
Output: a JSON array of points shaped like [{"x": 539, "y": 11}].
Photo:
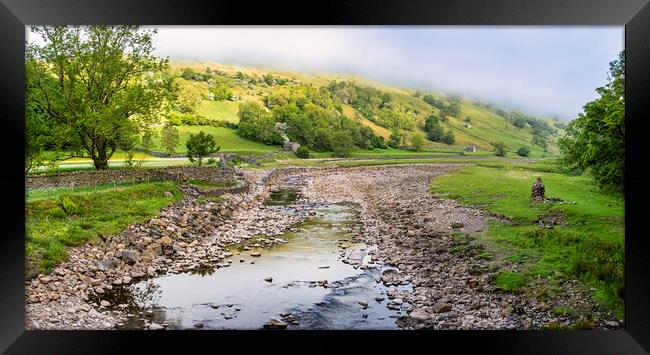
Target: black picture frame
[{"x": 633, "y": 14}]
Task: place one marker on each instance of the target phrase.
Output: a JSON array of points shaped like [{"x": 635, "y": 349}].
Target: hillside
[{"x": 380, "y": 107}]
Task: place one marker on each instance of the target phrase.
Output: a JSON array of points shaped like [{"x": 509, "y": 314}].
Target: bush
[
  {"x": 56, "y": 212},
  {"x": 523, "y": 152},
  {"x": 302, "y": 153},
  {"x": 395, "y": 139},
  {"x": 499, "y": 149},
  {"x": 69, "y": 206}
]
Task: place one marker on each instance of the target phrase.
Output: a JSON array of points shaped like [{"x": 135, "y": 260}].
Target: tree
[
  {"x": 499, "y": 149},
  {"x": 342, "y": 144},
  {"x": 200, "y": 146},
  {"x": 395, "y": 139},
  {"x": 100, "y": 84},
  {"x": 169, "y": 138},
  {"x": 449, "y": 138},
  {"x": 454, "y": 109},
  {"x": 41, "y": 132},
  {"x": 257, "y": 124},
  {"x": 147, "y": 140},
  {"x": 523, "y": 151},
  {"x": 417, "y": 141},
  {"x": 434, "y": 130},
  {"x": 221, "y": 91},
  {"x": 467, "y": 119},
  {"x": 596, "y": 139},
  {"x": 190, "y": 95}
]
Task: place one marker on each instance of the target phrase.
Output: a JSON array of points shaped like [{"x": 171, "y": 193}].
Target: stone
[
  {"x": 379, "y": 299},
  {"x": 255, "y": 254},
  {"x": 441, "y": 307},
  {"x": 105, "y": 303},
  {"x": 168, "y": 194},
  {"x": 275, "y": 323},
  {"x": 106, "y": 264},
  {"x": 419, "y": 314},
  {"x": 45, "y": 279},
  {"x": 291, "y": 146},
  {"x": 198, "y": 325},
  {"x": 537, "y": 190},
  {"x": 130, "y": 256},
  {"x": 363, "y": 303},
  {"x": 155, "y": 326},
  {"x": 268, "y": 279}
]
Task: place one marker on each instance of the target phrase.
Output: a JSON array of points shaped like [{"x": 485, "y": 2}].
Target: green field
[
  {"x": 487, "y": 127},
  {"x": 54, "y": 225},
  {"x": 227, "y": 139},
  {"x": 222, "y": 110},
  {"x": 589, "y": 245}
]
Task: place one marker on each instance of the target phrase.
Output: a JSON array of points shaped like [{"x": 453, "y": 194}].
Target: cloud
[{"x": 543, "y": 70}]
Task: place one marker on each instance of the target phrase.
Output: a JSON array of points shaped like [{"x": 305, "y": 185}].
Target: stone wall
[{"x": 90, "y": 178}]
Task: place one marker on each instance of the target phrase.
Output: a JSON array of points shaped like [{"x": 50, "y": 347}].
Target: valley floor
[{"x": 436, "y": 245}]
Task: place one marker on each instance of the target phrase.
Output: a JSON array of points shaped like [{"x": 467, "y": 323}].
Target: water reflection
[{"x": 304, "y": 277}]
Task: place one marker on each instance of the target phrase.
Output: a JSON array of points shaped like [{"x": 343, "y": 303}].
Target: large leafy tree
[
  {"x": 100, "y": 85},
  {"x": 596, "y": 139}
]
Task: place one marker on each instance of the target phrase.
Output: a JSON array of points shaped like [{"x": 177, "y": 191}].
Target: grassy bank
[
  {"x": 65, "y": 218},
  {"x": 589, "y": 245}
]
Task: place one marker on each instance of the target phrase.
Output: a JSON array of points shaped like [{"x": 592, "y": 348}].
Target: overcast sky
[{"x": 546, "y": 71}]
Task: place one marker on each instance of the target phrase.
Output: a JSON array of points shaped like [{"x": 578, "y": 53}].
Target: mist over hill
[{"x": 385, "y": 109}]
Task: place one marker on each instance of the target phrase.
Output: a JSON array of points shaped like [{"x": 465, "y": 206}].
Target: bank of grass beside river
[
  {"x": 64, "y": 218},
  {"x": 586, "y": 239}
]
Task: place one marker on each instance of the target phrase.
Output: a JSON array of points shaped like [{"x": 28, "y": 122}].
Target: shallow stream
[{"x": 305, "y": 277}]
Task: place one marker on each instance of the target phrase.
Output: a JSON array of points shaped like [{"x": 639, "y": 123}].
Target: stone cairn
[{"x": 537, "y": 191}]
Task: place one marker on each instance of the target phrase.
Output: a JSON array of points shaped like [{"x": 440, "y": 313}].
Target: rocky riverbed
[{"x": 427, "y": 239}]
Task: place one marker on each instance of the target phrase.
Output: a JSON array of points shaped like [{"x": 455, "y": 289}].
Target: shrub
[
  {"x": 302, "y": 153},
  {"x": 69, "y": 206},
  {"x": 499, "y": 149},
  {"x": 523, "y": 152},
  {"x": 56, "y": 212},
  {"x": 395, "y": 139}
]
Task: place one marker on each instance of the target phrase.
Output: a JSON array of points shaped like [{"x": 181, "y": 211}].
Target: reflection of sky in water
[{"x": 182, "y": 300}]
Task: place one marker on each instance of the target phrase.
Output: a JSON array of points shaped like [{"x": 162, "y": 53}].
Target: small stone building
[{"x": 470, "y": 149}]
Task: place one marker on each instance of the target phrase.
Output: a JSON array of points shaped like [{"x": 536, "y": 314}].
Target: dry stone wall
[{"x": 89, "y": 178}]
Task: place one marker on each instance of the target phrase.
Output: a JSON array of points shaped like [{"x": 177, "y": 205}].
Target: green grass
[
  {"x": 510, "y": 281},
  {"x": 51, "y": 228},
  {"x": 588, "y": 246},
  {"x": 227, "y": 139},
  {"x": 222, "y": 110}
]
